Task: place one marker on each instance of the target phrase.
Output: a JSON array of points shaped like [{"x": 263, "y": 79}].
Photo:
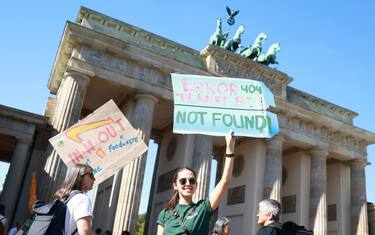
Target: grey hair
[
  {"x": 220, "y": 224},
  {"x": 270, "y": 206}
]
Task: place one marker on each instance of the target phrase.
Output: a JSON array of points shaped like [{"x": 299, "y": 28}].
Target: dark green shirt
[{"x": 196, "y": 218}]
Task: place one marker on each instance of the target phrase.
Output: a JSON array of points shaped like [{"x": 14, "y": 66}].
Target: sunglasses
[
  {"x": 91, "y": 175},
  {"x": 183, "y": 181}
]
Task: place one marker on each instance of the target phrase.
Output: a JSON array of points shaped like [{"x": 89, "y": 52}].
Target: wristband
[{"x": 229, "y": 155}]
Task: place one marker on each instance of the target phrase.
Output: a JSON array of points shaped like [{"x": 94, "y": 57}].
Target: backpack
[
  {"x": 50, "y": 217},
  {"x": 291, "y": 228},
  {"x": 2, "y": 227}
]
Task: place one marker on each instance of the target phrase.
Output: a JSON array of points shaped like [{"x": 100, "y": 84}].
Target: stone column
[
  {"x": 274, "y": 168},
  {"x": 70, "y": 99},
  {"x": 371, "y": 218},
  {"x": 358, "y": 197},
  {"x": 15, "y": 176},
  {"x": 149, "y": 225},
  {"x": 318, "y": 190},
  {"x": 201, "y": 163},
  {"x": 132, "y": 177}
]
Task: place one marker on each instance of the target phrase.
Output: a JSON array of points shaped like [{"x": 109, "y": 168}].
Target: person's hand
[{"x": 231, "y": 141}]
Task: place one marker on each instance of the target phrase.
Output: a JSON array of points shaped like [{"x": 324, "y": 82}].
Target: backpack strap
[
  {"x": 71, "y": 194},
  {"x": 180, "y": 222}
]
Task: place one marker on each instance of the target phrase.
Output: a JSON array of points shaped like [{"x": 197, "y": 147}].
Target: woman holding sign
[{"x": 182, "y": 215}]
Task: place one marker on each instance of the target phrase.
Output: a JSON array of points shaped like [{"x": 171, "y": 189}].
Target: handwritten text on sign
[
  {"x": 105, "y": 140},
  {"x": 214, "y": 105}
]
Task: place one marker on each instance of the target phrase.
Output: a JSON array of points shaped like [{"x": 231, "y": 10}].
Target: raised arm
[{"x": 219, "y": 190}]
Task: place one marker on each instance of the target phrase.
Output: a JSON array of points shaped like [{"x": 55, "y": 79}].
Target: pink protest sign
[{"x": 105, "y": 140}]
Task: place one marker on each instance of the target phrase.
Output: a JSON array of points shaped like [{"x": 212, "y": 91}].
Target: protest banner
[
  {"x": 215, "y": 105},
  {"x": 104, "y": 139}
]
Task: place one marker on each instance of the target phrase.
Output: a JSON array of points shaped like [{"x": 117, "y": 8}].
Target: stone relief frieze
[
  {"x": 363, "y": 147},
  {"x": 247, "y": 74},
  {"x": 295, "y": 123},
  {"x": 273, "y": 85},
  {"x": 310, "y": 129},
  {"x": 331, "y": 212},
  {"x": 124, "y": 66},
  {"x": 289, "y": 204},
  {"x": 236, "y": 195},
  {"x": 350, "y": 142},
  {"x": 322, "y": 133},
  {"x": 226, "y": 68},
  {"x": 119, "y": 65},
  {"x": 302, "y": 127}
]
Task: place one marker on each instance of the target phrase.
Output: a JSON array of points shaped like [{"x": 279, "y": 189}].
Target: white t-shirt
[
  {"x": 79, "y": 206},
  {"x": 13, "y": 231}
]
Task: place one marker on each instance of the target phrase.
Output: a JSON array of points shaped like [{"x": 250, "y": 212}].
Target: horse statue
[
  {"x": 218, "y": 37},
  {"x": 224, "y": 37},
  {"x": 253, "y": 51},
  {"x": 270, "y": 56},
  {"x": 234, "y": 43}
]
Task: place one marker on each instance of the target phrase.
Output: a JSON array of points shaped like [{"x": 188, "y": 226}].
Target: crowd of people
[{"x": 181, "y": 216}]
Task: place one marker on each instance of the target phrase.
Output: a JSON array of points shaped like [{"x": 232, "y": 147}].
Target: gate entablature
[{"x": 306, "y": 129}]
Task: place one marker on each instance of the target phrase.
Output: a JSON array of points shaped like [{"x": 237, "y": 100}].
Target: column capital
[
  {"x": 82, "y": 79},
  {"x": 208, "y": 137},
  {"x": 278, "y": 138},
  {"x": 361, "y": 163},
  {"x": 275, "y": 142},
  {"x": 318, "y": 152},
  {"x": 146, "y": 96}
]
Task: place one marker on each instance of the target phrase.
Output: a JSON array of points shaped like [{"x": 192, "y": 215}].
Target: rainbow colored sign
[
  {"x": 104, "y": 139},
  {"x": 215, "y": 105}
]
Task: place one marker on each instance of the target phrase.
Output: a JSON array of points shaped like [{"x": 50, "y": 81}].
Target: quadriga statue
[
  {"x": 234, "y": 43},
  {"x": 224, "y": 39},
  {"x": 218, "y": 38},
  {"x": 270, "y": 57},
  {"x": 253, "y": 51}
]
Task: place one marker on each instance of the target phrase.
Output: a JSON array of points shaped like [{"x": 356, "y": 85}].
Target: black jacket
[{"x": 271, "y": 229}]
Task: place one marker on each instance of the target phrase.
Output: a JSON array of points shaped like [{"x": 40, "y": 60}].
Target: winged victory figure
[{"x": 231, "y": 14}]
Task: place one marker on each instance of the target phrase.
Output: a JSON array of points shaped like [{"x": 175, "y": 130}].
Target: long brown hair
[
  {"x": 175, "y": 197},
  {"x": 74, "y": 181}
]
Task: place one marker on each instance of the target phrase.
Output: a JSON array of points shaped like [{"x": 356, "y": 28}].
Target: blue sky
[{"x": 326, "y": 46}]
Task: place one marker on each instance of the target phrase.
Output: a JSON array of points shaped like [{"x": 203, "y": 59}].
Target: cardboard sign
[
  {"x": 104, "y": 139},
  {"x": 215, "y": 105}
]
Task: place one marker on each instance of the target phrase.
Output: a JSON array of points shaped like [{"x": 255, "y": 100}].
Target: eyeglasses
[
  {"x": 91, "y": 175},
  {"x": 183, "y": 181}
]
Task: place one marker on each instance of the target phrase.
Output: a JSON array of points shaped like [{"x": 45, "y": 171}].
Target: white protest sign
[
  {"x": 105, "y": 140},
  {"x": 215, "y": 105}
]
